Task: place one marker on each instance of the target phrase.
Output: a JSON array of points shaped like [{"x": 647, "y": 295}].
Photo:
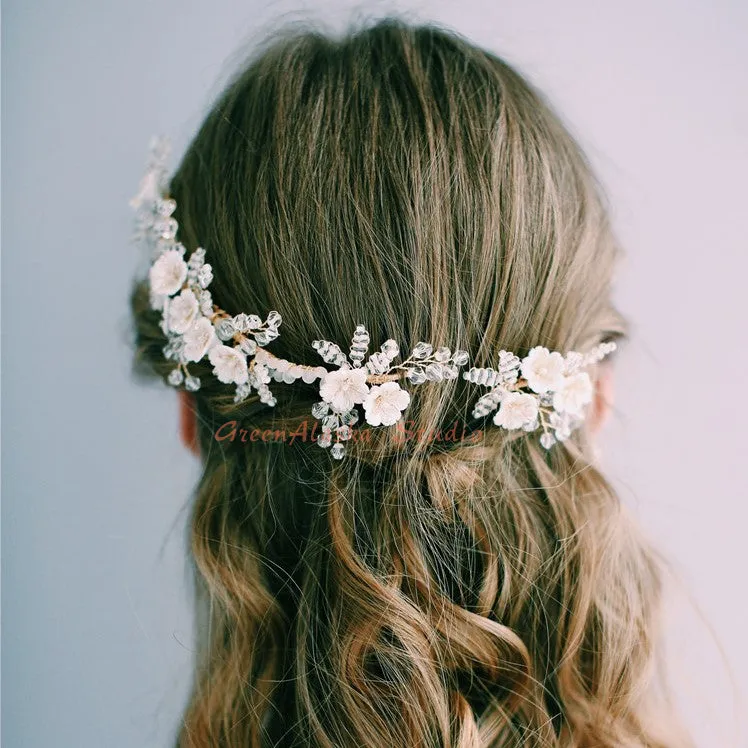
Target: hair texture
[{"x": 418, "y": 593}]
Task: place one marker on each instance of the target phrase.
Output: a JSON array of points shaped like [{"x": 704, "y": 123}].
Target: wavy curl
[{"x": 477, "y": 594}]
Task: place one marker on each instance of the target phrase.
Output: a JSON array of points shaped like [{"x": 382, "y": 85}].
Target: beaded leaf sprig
[
  {"x": 385, "y": 400},
  {"x": 545, "y": 390}
]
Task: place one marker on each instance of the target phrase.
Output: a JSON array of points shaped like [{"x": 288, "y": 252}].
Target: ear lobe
[
  {"x": 188, "y": 422},
  {"x": 603, "y": 401}
]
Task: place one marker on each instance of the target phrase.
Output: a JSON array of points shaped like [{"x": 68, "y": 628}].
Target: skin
[
  {"x": 188, "y": 422},
  {"x": 600, "y": 409}
]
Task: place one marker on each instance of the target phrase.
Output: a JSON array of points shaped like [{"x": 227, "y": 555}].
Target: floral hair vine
[{"x": 544, "y": 391}]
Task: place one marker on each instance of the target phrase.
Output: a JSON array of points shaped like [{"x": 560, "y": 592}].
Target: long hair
[{"x": 466, "y": 593}]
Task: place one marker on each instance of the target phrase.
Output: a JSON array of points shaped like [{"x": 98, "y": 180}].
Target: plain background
[{"x": 97, "y": 627}]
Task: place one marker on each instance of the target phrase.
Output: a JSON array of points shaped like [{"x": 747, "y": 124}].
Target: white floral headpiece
[{"x": 544, "y": 390}]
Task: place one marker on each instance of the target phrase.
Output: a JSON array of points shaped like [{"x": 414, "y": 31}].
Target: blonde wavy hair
[{"x": 466, "y": 594}]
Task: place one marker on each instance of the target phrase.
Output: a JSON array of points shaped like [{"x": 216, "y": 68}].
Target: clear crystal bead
[
  {"x": 433, "y": 372},
  {"x": 205, "y": 275},
  {"x": 338, "y": 451},
  {"x": 165, "y": 207},
  {"x": 390, "y": 349},
  {"x": 248, "y": 346},
  {"x": 273, "y": 319},
  {"x": 460, "y": 358},
  {"x": 173, "y": 349},
  {"x": 378, "y": 363},
  {"x": 357, "y": 357},
  {"x": 547, "y": 440},
  {"x": 271, "y": 334},
  {"x": 191, "y": 384},
  {"x": 416, "y": 376},
  {"x": 324, "y": 440},
  {"x": 330, "y": 352},
  {"x": 266, "y": 396},
  {"x": 166, "y": 228},
  {"x": 344, "y": 432},
  {"x": 422, "y": 350},
  {"x": 242, "y": 392},
  {"x": 253, "y": 321},
  {"x": 260, "y": 375},
  {"x": 443, "y": 354},
  {"x": 176, "y": 377},
  {"x": 225, "y": 329},
  {"x": 330, "y": 422},
  {"x": 206, "y": 303},
  {"x": 349, "y": 418},
  {"x": 320, "y": 410},
  {"x": 359, "y": 345},
  {"x": 486, "y": 377},
  {"x": 197, "y": 258},
  {"x": 241, "y": 322}
]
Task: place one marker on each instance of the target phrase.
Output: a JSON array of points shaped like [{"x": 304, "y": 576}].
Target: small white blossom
[
  {"x": 199, "y": 339},
  {"x": 229, "y": 364},
  {"x": 168, "y": 273},
  {"x": 575, "y": 392},
  {"x": 543, "y": 370},
  {"x": 385, "y": 403},
  {"x": 344, "y": 388},
  {"x": 183, "y": 310},
  {"x": 517, "y": 409}
]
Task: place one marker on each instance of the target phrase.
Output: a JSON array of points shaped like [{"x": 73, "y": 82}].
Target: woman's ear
[
  {"x": 188, "y": 422},
  {"x": 604, "y": 394}
]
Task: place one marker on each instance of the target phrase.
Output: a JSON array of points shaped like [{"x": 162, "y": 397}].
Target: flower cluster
[
  {"x": 193, "y": 325},
  {"x": 545, "y": 390},
  {"x": 385, "y": 400}
]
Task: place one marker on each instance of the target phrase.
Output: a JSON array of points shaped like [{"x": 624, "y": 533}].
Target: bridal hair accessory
[{"x": 545, "y": 390}]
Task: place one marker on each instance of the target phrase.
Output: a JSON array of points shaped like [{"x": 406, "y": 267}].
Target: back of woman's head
[{"x": 424, "y": 591}]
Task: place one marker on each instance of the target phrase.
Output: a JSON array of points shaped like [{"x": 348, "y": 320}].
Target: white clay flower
[
  {"x": 182, "y": 311},
  {"x": 229, "y": 364},
  {"x": 385, "y": 403},
  {"x": 199, "y": 339},
  {"x": 168, "y": 273},
  {"x": 543, "y": 370},
  {"x": 517, "y": 409},
  {"x": 344, "y": 388},
  {"x": 575, "y": 392}
]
